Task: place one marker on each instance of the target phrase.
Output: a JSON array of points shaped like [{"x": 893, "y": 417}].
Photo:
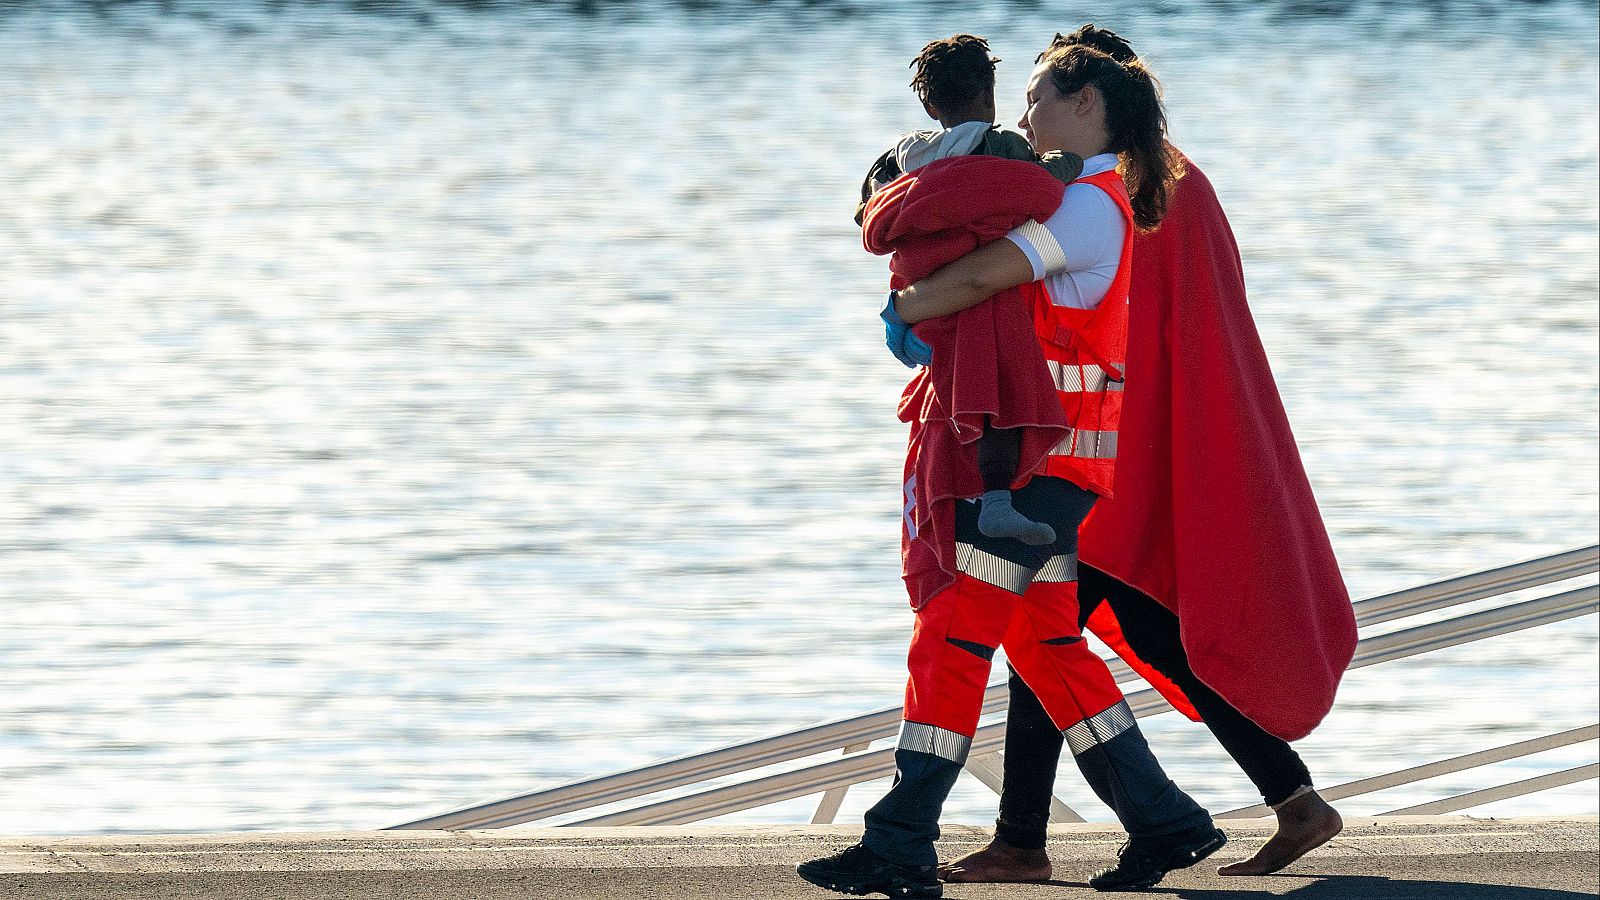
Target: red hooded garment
[
  {"x": 927, "y": 218},
  {"x": 986, "y": 361},
  {"x": 1213, "y": 515}
]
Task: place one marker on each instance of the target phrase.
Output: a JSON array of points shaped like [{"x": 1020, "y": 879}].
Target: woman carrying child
[{"x": 1075, "y": 268}]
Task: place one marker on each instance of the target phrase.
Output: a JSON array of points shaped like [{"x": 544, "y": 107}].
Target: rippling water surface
[{"x": 412, "y": 405}]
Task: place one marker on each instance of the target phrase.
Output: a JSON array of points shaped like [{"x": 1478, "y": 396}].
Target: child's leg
[{"x": 999, "y": 452}]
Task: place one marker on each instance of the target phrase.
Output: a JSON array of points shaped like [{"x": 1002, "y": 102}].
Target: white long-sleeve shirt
[{"x": 1077, "y": 250}]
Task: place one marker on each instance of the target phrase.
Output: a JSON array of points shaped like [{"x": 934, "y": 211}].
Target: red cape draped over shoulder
[
  {"x": 986, "y": 359},
  {"x": 1214, "y": 516}
]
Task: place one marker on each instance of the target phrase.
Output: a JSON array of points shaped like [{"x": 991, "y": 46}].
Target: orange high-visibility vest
[{"x": 1087, "y": 350}]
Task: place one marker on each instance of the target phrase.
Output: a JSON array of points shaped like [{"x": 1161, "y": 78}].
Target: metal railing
[{"x": 854, "y": 735}]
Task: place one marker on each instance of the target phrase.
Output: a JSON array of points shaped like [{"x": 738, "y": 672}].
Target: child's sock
[{"x": 998, "y": 518}]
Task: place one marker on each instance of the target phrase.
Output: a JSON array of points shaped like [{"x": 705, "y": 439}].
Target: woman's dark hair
[
  {"x": 955, "y": 72},
  {"x": 1103, "y": 39},
  {"x": 1136, "y": 123}
]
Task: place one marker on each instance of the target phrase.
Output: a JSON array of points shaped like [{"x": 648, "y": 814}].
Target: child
[{"x": 955, "y": 81}]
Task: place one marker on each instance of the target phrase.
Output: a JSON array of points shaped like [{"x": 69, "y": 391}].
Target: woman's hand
[{"x": 897, "y": 334}]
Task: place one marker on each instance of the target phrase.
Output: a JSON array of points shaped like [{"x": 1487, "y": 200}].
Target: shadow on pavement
[
  {"x": 1375, "y": 887},
  {"x": 1348, "y": 887}
]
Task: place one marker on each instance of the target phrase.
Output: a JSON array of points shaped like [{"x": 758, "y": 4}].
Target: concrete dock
[{"x": 1453, "y": 857}]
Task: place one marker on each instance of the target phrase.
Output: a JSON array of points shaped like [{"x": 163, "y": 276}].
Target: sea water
[{"x": 406, "y": 405}]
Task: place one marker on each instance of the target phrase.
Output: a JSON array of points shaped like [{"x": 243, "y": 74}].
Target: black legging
[{"x": 1033, "y": 745}]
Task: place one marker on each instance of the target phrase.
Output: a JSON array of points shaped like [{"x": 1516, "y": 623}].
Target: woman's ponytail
[{"x": 1136, "y": 124}]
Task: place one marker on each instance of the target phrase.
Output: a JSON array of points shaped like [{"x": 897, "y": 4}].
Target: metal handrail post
[
  {"x": 1466, "y": 588},
  {"x": 880, "y": 763},
  {"x": 1477, "y": 626},
  {"x": 774, "y": 788},
  {"x": 1502, "y": 792},
  {"x": 1449, "y": 766},
  {"x": 883, "y": 723}
]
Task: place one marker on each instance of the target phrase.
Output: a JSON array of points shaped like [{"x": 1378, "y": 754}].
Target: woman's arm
[
  {"x": 1084, "y": 234},
  {"x": 965, "y": 283}
]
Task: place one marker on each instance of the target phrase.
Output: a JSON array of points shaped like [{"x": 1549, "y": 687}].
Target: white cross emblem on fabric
[{"x": 907, "y": 511}]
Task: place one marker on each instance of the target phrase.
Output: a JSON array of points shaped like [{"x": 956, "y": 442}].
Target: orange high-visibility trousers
[
  {"x": 1026, "y": 600},
  {"x": 952, "y": 651}
]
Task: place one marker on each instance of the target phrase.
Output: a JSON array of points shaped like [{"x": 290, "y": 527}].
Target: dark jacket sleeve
[
  {"x": 1066, "y": 167},
  {"x": 883, "y": 171},
  {"x": 1005, "y": 145}
]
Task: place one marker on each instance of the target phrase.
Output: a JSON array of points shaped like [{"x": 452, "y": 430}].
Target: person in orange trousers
[{"x": 1075, "y": 271}]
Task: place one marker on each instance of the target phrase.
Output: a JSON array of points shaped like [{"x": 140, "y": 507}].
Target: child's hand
[{"x": 901, "y": 341}]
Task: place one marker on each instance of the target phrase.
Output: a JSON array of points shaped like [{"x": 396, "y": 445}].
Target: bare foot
[
  {"x": 1304, "y": 824},
  {"x": 998, "y": 862}
]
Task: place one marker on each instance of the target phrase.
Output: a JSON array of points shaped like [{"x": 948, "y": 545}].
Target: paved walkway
[{"x": 1375, "y": 859}]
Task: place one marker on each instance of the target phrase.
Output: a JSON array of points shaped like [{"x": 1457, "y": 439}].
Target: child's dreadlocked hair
[{"x": 954, "y": 73}]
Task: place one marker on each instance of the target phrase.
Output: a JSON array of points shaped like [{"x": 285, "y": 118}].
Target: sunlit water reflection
[{"x": 406, "y": 410}]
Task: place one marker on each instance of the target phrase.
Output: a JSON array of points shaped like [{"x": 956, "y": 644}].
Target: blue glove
[{"x": 902, "y": 342}]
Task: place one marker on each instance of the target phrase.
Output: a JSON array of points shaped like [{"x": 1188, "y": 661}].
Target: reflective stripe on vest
[
  {"x": 1086, "y": 350},
  {"x": 1071, "y": 379},
  {"x": 1085, "y": 444}
]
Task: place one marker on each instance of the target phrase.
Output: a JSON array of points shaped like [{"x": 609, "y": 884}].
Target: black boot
[
  {"x": 857, "y": 870},
  {"x": 1144, "y": 862}
]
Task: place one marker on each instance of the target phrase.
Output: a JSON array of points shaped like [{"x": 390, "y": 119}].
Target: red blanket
[
  {"x": 926, "y": 219},
  {"x": 1213, "y": 514}
]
